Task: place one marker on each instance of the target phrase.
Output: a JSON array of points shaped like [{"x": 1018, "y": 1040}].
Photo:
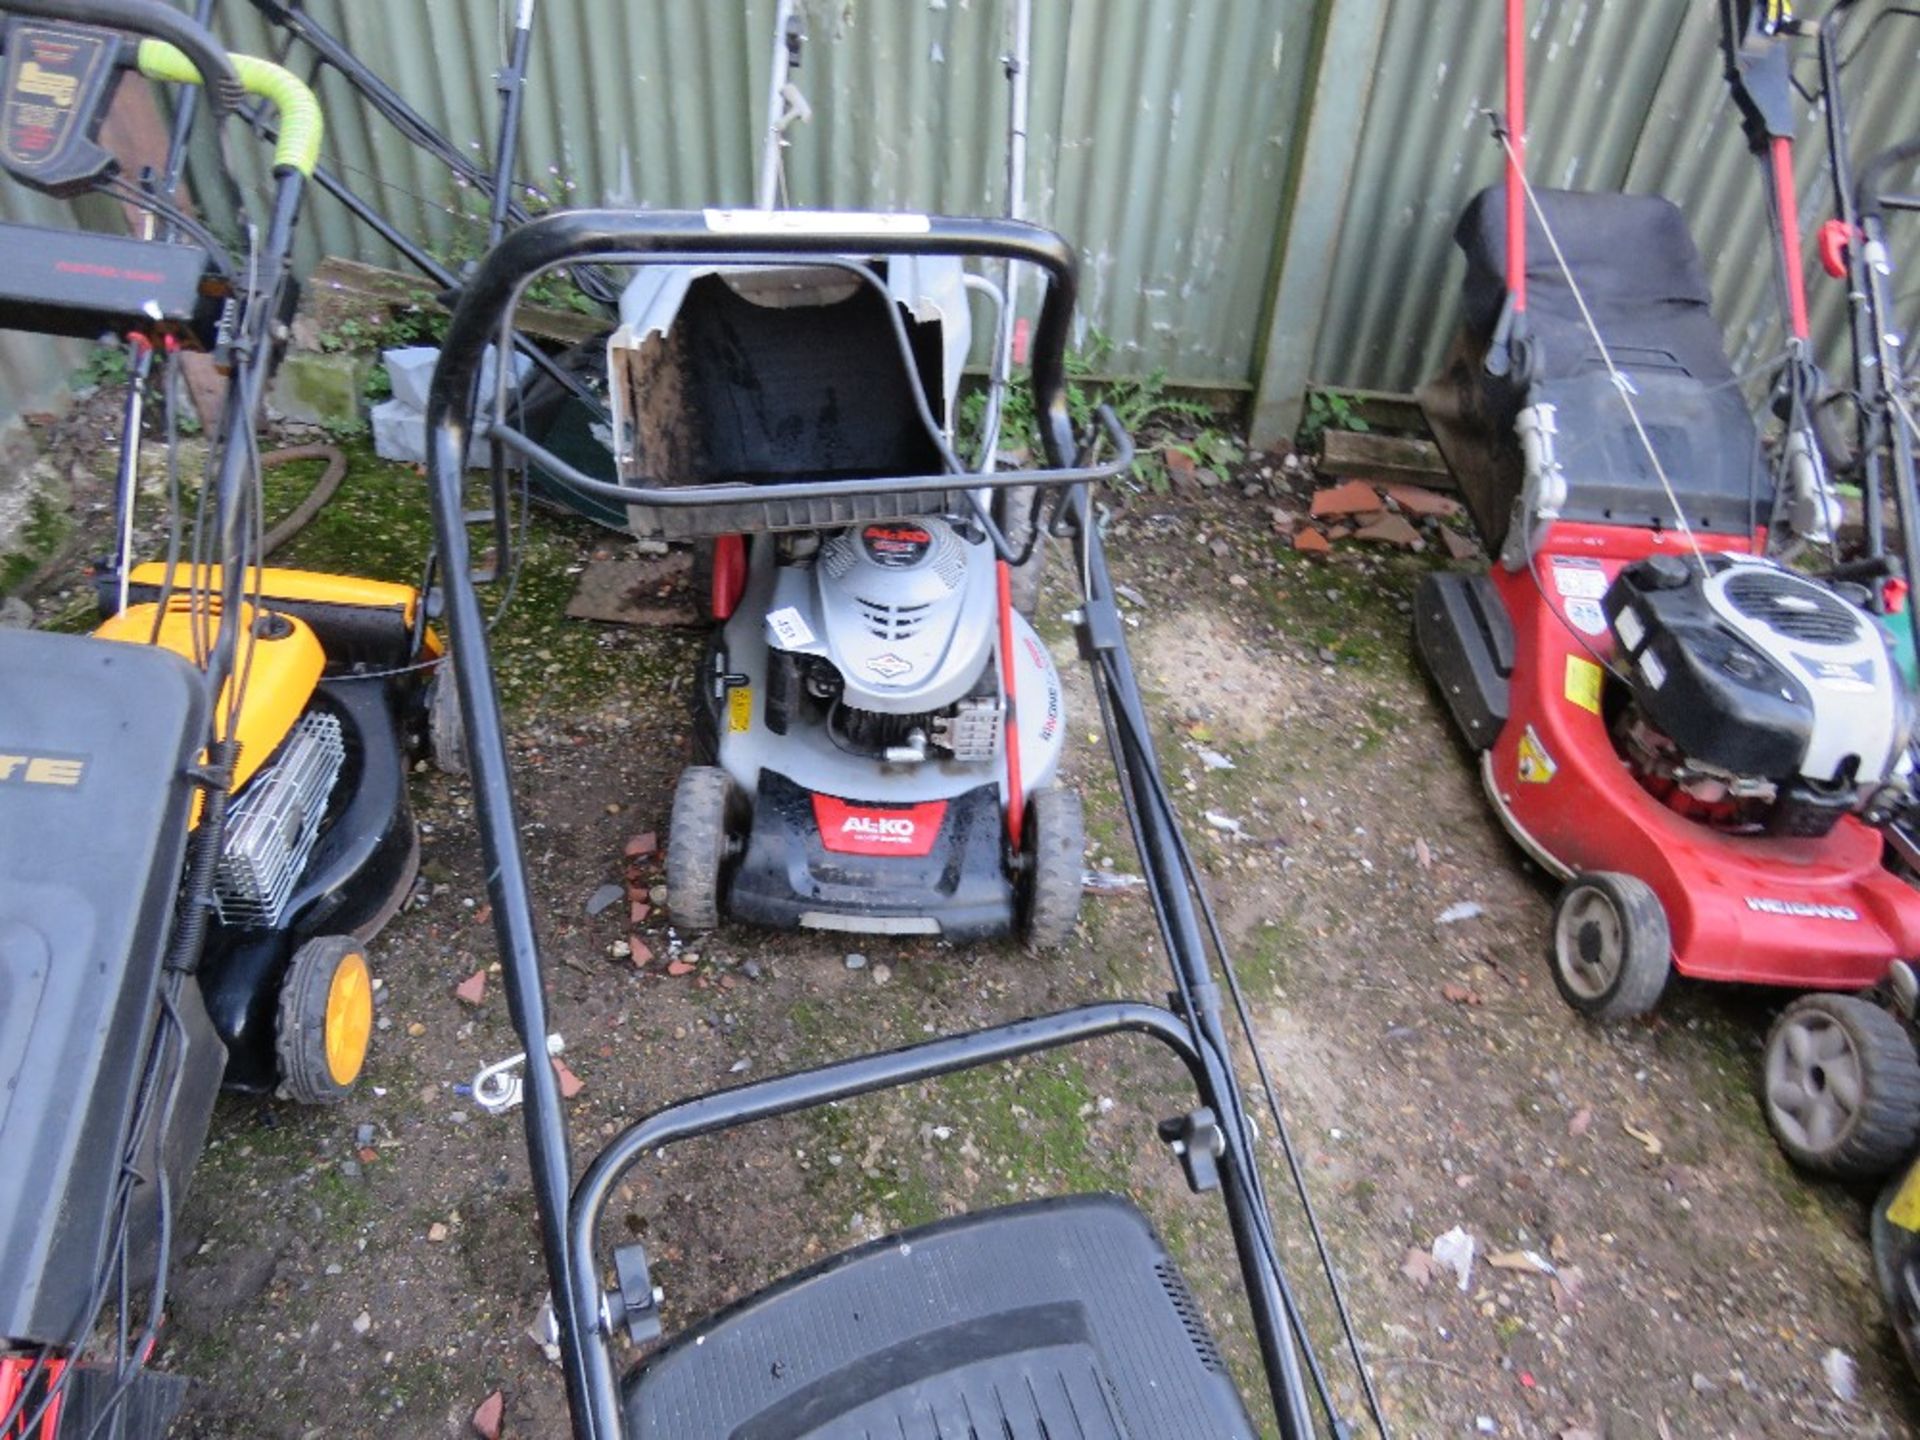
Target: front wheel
[
  {"x": 1612, "y": 953},
  {"x": 702, "y": 840},
  {"x": 1053, "y": 851},
  {"x": 325, "y": 1020},
  {"x": 1841, "y": 1086}
]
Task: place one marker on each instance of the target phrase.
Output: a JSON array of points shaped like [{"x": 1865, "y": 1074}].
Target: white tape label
[
  {"x": 790, "y": 628},
  {"x": 813, "y": 222}
]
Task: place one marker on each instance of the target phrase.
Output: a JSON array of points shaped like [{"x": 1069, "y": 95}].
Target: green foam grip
[{"x": 301, "y": 125}]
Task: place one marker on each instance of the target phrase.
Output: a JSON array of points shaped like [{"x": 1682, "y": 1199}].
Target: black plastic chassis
[{"x": 570, "y": 1215}]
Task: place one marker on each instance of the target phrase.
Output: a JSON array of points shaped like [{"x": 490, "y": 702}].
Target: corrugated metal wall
[{"x": 1160, "y": 135}]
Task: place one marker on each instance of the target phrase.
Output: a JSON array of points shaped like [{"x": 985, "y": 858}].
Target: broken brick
[
  {"x": 641, "y": 952},
  {"x": 1390, "y": 530},
  {"x": 1425, "y": 503},
  {"x": 642, "y": 844},
  {"x": 1355, "y": 497},
  {"x": 1458, "y": 546},
  {"x": 1312, "y": 542},
  {"x": 570, "y": 1083},
  {"x": 473, "y": 989},
  {"x": 487, "y": 1418},
  {"x": 1339, "y": 532},
  {"x": 680, "y": 967},
  {"x": 638, "y": 910}
]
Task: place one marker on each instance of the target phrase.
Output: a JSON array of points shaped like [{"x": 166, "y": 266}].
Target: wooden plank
[
  {"x": 399, "y": 287},
  {"x": 1388, "y": 459}
]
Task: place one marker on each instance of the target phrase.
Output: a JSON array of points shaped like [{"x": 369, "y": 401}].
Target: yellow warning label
[
  {"x": 1905, "y": 1209},
  {"x": 740, "y": 709},
  {"x": 1536, "y": 765},
  {"x": 1583, "y": 683}
]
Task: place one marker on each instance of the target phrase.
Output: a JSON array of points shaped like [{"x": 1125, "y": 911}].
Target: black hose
[{"x": 324, "y": 489}]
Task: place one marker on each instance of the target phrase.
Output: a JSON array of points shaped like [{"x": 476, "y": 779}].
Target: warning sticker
[
  {"x": 1586, "y": 616},
  {"x": 740, "y": 709},
  {"x": 790, "y": 628},
  {"x": 1536, "y": 767},
  {"x": 1583, "y": 683},
  {"x": 1575, "y": 577}
]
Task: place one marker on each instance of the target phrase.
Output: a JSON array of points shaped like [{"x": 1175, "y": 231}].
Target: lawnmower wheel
[
  {"x": 325, "y": 1020},
  {"x": 1841, "y": 1086},
  {"x": 446, "y": 727},
  {"x": 700, "y": 842},
  {"x": 1054, "y": 844},
  {"x": 1611, "y": 950}
]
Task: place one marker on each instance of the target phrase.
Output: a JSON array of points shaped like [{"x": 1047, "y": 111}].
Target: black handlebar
[
  {"x": 611, "y": 234},
  {"x": 162, "y": 22}
]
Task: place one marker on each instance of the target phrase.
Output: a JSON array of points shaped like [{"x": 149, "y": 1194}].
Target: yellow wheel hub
[{"x": 349, "y": 1018}]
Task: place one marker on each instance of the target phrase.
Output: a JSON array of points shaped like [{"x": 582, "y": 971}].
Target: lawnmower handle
[
  {"x": 297, "y": 144},
  {"x": 160, "y": 21},
  {"x": 569, "y": 235}
]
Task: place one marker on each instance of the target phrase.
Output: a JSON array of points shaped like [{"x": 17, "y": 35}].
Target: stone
[
  {"x": 1312, "y": 542},
  {"x": 1419, "y": 501},
  {"x": 321, "y": 387},
  {"x": 488, "y": 1415},
  {"x": 1354, "y": 497},
  {"x": 1390, "y": 530},
  {"x": 1458, "y": 546}
]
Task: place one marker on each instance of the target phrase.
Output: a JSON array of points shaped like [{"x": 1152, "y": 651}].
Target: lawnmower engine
[
  {"x": 891, "y": 636},
  {"x": 1761, "y": 701}
]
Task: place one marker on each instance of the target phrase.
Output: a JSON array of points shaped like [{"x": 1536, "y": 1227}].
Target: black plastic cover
[
  {"x": 84, "y": 284},
  {"x": 1063, "y": 1317},
  {"x": 787, "y": 872},
  {"x": 1723, "y": 702},
  {"x": 1642, "y": 278},
  {"x": 95, "y": 740}
]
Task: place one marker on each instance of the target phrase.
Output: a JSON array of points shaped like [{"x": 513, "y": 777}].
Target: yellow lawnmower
[{"x": 203, "y": 804}]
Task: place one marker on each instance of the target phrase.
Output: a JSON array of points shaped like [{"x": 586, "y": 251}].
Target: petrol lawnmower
[
  {"x": 879, "y": 728},
  {"x": 1706, "y": 744},
  {"x": 1064, "y": 1317},
  {"x": 203, "y": 807}
]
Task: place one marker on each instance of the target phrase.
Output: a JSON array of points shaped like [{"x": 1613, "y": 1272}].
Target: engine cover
[
  {"x": 1761, "y": 672},
  {"x": 904, "y": 609}
]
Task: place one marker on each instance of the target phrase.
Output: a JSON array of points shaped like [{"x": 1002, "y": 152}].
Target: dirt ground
[{"x": 373, "y": 1270}]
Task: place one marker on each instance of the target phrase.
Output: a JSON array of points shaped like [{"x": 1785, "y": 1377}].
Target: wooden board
[{"x": 1392, "y": 459}]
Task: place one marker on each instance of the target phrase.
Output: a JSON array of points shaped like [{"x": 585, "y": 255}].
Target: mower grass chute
[
  {"x": 1705, "y": 744},
  {"x": 203, "y": 806}
]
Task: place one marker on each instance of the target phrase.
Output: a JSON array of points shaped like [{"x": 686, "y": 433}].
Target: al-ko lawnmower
[
  {"x": 1064, "y": 1317},
  {"x": 203, "y": 808},
  {"x": 1708, "y": 746},
  {"x": 878, "y": 724}
]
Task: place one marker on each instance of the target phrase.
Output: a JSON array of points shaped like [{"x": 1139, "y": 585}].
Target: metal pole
[
  {"x": 127, "y": 483},
  {"x": 513, "y": 89},
  {"x": 768, "y": 189}
]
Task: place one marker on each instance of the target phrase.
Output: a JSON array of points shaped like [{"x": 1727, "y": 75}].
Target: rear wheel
[
  {"x": 325, "y": 1020},
  {"x": 1841, "y": 1086},
  {"x": 1053, "y": 846},
  {"x": 702, "y": 841},
  {"x": 1611, "y": 950},
  {"x": 446, "y": 727}
]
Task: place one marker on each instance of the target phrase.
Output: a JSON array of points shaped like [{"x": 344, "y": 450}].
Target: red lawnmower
[{"x": 1710, "y": 747}]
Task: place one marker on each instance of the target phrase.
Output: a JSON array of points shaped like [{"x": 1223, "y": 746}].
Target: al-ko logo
[
  {"x": 884, "y": 829},
  {"x": 1801, "y": 909}
]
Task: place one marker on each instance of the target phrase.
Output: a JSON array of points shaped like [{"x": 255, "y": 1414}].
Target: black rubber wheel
[
  {"x": 701, "y": 843},
  {"x": 1611, "y": 952},
  {"x": 1896, "y": 1255},
  {"x": 446, "y": 727},
  {"x": 1019, "y": 509},
  {"x": 1053, "y": 843},
  {"x": 1841, "y": 1086},
  {"x": 325, "y": 1020}
]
